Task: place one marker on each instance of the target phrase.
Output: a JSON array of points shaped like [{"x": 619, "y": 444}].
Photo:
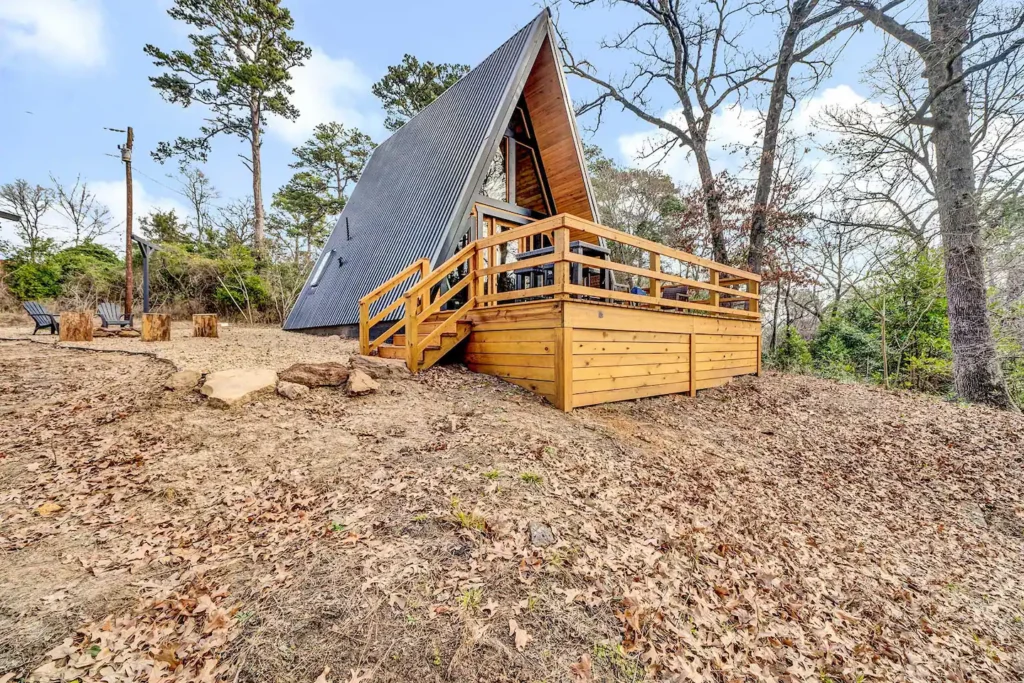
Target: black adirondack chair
[
  {"x": 43, "y": 319},
  {"x": 111, "y": 316}
]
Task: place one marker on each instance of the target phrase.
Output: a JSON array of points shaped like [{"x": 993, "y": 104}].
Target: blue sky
[{"x": 70, "y": 68}]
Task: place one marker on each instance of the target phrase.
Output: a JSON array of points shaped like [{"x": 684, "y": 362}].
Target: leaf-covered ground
[{"x": 782, "y": 528}]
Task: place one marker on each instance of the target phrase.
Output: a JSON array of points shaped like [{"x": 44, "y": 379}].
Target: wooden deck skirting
[{"x": 572, "y": 344}]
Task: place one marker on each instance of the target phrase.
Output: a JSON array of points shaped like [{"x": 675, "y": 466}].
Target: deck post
[
  {"x": 754, "y": 287},
  {"x": 693, "y": 364},
  {"x": 713, "y": 295},
  {"x": 656, "y": 267},
  {"x": 364, "y": 328},
  {"x": 411, "y": 330},
  {"x": 561, "y": 246}
]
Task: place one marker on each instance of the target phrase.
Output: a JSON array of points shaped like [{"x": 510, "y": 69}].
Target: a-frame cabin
[{"x": 473, "y": 232}]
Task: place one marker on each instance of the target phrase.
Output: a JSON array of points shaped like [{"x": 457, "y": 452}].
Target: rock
[
  {"x": 103, "y": 332},
  {"x": 128, "y": 332},
  {"x": 360, "y": 384},
  {"x": 974, "y": 514},
  {"x": 292, "y": 391},
  {"x": 231, "y": 387},
  {"x": 183, "y": 380},
  {"x": 316, "y": 374},
  {"x": 541, "y": 535},
  {"x": 379, "y": 368}
]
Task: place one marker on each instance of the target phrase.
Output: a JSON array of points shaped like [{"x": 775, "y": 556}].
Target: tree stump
[
  {"x": 204, "y": 325},
  {"x": 76, "y": 326},
  {"x": 156, "y": 327}
]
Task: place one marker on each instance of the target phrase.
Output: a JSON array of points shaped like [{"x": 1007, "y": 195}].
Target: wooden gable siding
[{"x": 555, "y": 135}]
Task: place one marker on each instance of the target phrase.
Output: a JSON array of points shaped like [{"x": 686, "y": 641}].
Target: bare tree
[
  {"x": 961, "y": 41},
  {"x": 696, "y": 52},
  {"x": 30, "y": 203},
  {"x": 808, "y": 29},
  {"x": 89, "y": 217},
  {"x": 201, "y": 194}
]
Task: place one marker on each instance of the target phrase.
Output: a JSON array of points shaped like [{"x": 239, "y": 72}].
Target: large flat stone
[
  {"x": 232, "y": 387},
  {"x": 379, "y": 368},
  {"x": 316, "y": 374}
]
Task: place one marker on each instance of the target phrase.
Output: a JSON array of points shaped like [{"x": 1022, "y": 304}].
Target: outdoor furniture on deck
[
  {"x": 42, "y": 318},
  {"x": 111, "y": 316},
  {"x": 578, "y": 273}
]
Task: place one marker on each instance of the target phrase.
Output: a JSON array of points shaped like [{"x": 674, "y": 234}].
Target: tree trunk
[
  {"x": 76, "y": 326},
  {"x": 712, "y": 202},
  {"x": 976, "y": 373},
  {"x": 772, "y": 122},
  {"x": 257, "y": 179},
  {"x": 204, "y": 325},
  {"x": 156, "y": 327}
]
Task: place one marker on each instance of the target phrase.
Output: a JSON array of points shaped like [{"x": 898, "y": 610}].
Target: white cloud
[
  {"x": 326, "y": 89},
  {"x": 68, "y": 33}
]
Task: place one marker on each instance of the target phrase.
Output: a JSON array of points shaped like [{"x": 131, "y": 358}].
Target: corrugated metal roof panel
[{"x": 408, "y": 197}]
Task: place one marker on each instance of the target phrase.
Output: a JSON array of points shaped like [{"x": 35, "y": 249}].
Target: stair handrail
[
  {"x": 419, "y": 307},
  {"x": 366, "y": 345}
]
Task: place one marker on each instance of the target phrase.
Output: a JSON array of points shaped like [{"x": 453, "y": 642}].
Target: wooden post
[
  {"x": 204, "y": 325},
  {"x": 364, "y": 328},
  {"x": 754, "y": 287},
  {"x": 412, "y": 331},
  {"x": 693, "y": 364},
  {"x": 713, "y": 279},
  {"x": 656, "y": 267},
  {"x": 129, "y": 281},
  {"x": 156, "y": 327},
  {"x": 76, "y": 326},
  {"x": 561, "y": 264}
]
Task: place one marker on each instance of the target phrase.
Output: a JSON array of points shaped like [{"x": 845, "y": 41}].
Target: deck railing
[{"x": 728, "y": 292}]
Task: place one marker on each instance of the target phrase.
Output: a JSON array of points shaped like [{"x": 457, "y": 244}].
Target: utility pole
[{"x": 129, "y": 285}]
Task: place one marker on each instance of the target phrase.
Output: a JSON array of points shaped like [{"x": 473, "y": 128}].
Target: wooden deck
[
  {"x": 581, "y": 353},
  {"x": 575, "y": 345}
]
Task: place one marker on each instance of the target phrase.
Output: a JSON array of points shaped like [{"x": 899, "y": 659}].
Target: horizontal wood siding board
[
  {"x": 609, "y": 383},
  {"x": 515, "y": 372},
  {"x": 585, "y": 335},
  {"x": 542, "y": 334},
  {"x": 726, "y": 355},
  {"x": 597, "y": 397},
  {"x": 590, "y": 348},
  {"x": 592, "y": 315},
  {"x": 726, "y": 372},
  {"x": 514, "y": 347},
  {"x": 629, "y": 371},
  {"x": 519, "y": 360},
  {"x": 547, "y": 389},
  {"x": 615, "y": 359}
]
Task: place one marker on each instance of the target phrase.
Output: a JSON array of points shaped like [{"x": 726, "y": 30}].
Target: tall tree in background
[
  {"x": 410, "y": 86},
  {"x": 961, "y": 40},
  {"x": 89, "y": 217},
  {"x": 328, "y": 164},
  {"x": 30, "y": 202},
  {"x": 201, "y": 195},
  {"x": 239, "y": 69}
]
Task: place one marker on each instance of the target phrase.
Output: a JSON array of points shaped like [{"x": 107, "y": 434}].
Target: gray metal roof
[{"x": 417, "y": 186}]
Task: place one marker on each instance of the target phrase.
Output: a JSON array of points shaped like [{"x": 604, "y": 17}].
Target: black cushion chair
[
  {"x": 44, "y": 319},
  {"x": 111, "y": 316}
]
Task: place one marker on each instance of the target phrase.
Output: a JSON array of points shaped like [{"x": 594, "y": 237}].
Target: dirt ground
[{"x": 781, "y": 528}]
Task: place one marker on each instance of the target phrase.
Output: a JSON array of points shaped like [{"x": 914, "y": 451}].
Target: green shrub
[
  {"x": 793, "y": 354},
  {"x": 31, "y": 281}
]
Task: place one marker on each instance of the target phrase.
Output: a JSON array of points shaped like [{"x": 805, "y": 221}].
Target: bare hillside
[{"x": 455, "y": 528}]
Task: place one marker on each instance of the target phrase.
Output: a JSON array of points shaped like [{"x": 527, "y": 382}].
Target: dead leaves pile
[{"x": 783, "y": 529}]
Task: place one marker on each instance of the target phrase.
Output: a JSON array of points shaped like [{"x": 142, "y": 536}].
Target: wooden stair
[{"x": 396, "y": 348}]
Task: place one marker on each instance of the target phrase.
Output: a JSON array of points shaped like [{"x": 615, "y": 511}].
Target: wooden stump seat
[
  {"x": 204, "y": 325},
  {"x": 76, "y": 326},
  {"x": 156, "y": 327}
]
